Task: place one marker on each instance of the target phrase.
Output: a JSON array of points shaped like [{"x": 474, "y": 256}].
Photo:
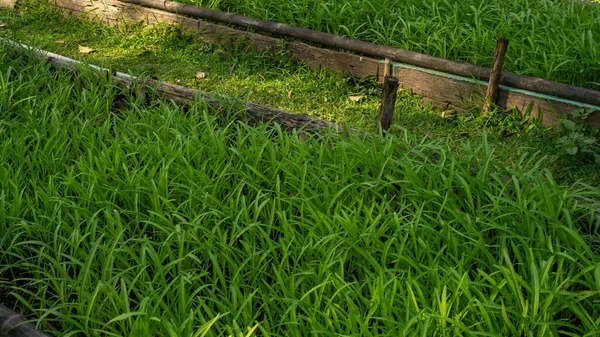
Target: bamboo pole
[
  {"x": 367, "y": 48},
  {"x": 183, "y": 96},
  {"x": 387, "y": 67},
  {"x": 388, "y": 102},
  {"x": 491, "y": 94}
]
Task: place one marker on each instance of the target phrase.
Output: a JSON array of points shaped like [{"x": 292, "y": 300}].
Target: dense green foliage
[
  {"x": 556, "y": 40},
  {"x": 119, "y": 217},
  {"x": 277, "y": 81}
]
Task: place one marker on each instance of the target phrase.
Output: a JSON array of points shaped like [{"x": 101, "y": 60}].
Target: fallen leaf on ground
[
  {"x": 63, "y": 42},
  {"x": 356, "y": 98},
  {"x": 260, "y": 75},
  {"x": 2, "y": 25},
  {"x": 201, "y": 75},
  {"x": 290, "y": 94},
  {"x": 449, "y": 114},
  {"x": 86, "y": 50}
]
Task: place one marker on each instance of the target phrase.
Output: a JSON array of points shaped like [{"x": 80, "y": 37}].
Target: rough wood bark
[
  {"x": 182, "y": 95},
  {"x": 13, "y": 324},
  {"x": 372, "y": 49},
  {"x": 388, "y": 102},
  {"x": 491, "y": 95}
]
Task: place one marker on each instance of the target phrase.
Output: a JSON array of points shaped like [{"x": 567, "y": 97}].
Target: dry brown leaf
[
  {"x": 356, "y": 98},
  {"x": 2, "y": 25},
  {"x": 63, "y": 42},
  {"x": 86, "y": 50},
  {"x": 449, "y": 114},
  {"x": 201, "y": 75},
  {"x": 290, "y": 94},
  {"x": 260, "y": 75}
]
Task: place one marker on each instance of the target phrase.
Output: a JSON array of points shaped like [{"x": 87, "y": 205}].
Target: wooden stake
[
  {"x": 388, "y": 102},
  {"x": 491, "y": 94},
  {"x": 387, "y": 67}
]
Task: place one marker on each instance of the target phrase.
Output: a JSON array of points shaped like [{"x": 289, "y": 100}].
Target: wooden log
[
  {"x": 183, "y": 96},
  {"x": 388, "y": 102},
  {"x": 491, "y": 94},
  {"x": 367, "y": 48},
  {"x": 13, "y": 324}
]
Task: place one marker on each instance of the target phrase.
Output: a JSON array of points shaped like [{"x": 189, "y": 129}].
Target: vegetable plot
[
  {"x": 119, "y": 217},
  {"x": 554, "y": 40}
]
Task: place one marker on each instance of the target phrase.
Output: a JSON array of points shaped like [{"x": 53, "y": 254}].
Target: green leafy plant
[
  {"x": 150, "y": 219},
  {"x": 579, "y": 139}
]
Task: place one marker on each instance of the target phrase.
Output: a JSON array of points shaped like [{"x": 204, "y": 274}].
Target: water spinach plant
[{"x": 124, "y": 217}]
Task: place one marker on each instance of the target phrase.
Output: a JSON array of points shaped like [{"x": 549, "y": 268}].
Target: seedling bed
[{"x": 446, "y": 83}]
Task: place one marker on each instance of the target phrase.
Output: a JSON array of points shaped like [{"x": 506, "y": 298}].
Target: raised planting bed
[
  {"x": 551, "y": 39},
  {"x": 447, "y": 83}
]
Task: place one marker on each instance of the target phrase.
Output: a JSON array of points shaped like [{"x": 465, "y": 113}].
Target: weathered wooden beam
[
  {"x": 367, "y": 48},
  {"x": 183, "y": 96},
  {"x": 491, "y": 95}
]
